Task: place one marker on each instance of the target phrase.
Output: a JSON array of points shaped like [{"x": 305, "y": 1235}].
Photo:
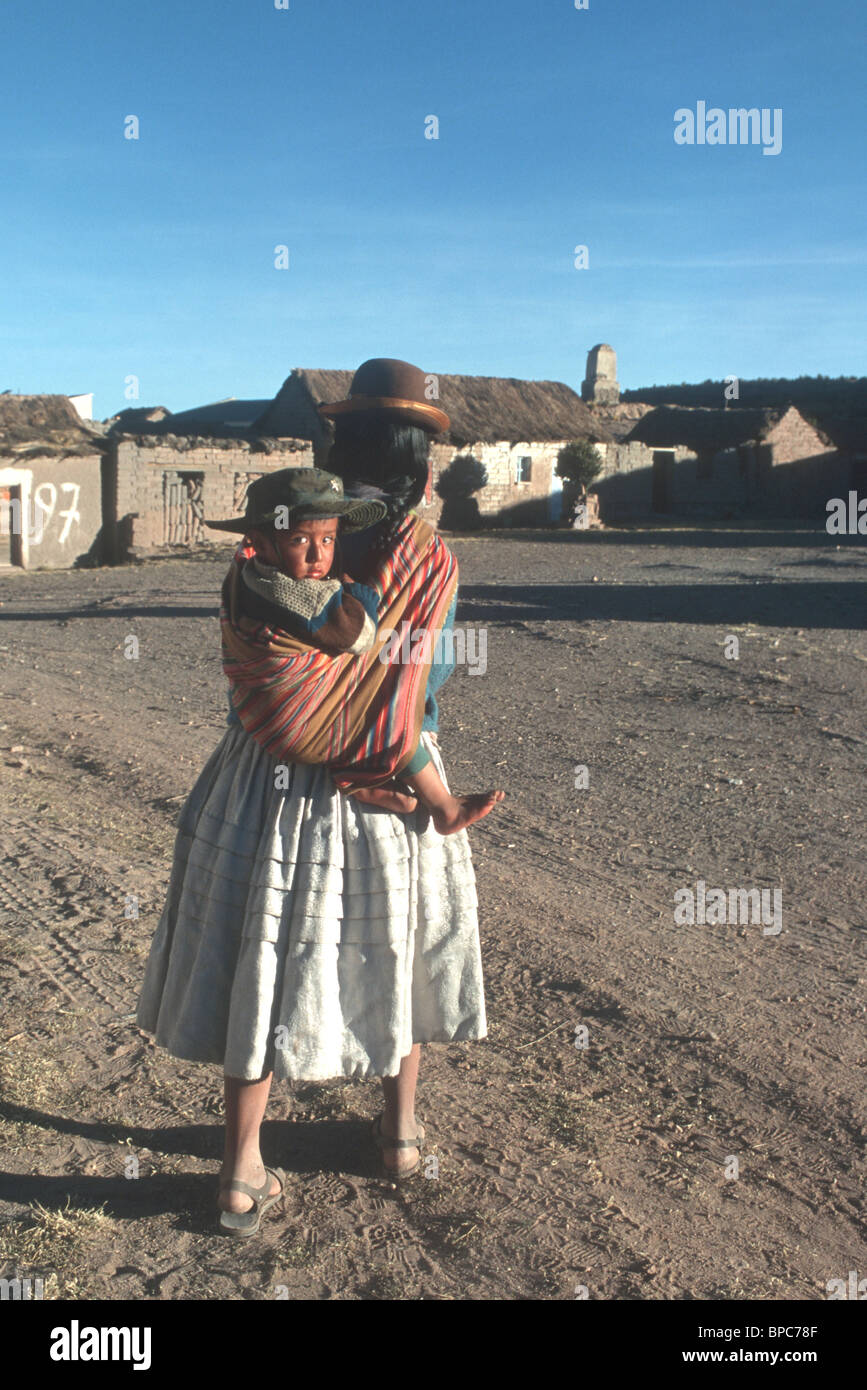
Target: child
[{"x": 290, "y": 571}]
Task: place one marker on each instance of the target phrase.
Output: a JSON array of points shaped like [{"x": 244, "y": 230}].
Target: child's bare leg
[
  {"x": 388, "y": 798},
  {"x": 450, "y": 813},
  {"x": 242, "y": 1160},
  {"x": 398, "y": 1116}
]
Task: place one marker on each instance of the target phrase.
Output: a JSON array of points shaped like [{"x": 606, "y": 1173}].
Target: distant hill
[{"x": 813, "y": 395}]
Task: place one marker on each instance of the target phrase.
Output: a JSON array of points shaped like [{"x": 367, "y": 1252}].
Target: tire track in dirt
[{"x": 39, "y": 880}]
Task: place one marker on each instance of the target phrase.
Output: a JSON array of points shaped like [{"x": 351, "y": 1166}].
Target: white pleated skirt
[{"x": 306, "y": 933}]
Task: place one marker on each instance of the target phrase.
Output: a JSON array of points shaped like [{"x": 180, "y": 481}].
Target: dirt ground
[{"x": 560, "y": 1171}]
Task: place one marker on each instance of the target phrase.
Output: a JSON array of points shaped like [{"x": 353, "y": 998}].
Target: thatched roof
[
  {"x": 137, "y": 419},
  {"x": 293, "y": 415},
  {"x": 231, "y": 414},
  {"x": 228, "y": 419},
  {"x": 482, "y": 409},
  {"x": 847, "y": 434},
  {"x": 45, "y": 425},
  {"x": 703, "y": 429}
]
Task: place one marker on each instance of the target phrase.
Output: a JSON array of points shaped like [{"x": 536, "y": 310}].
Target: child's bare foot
[{"x": 461, "y": 811}]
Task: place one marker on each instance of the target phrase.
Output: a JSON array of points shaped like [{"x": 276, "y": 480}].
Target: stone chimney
[{"x": 600, "y": 385}]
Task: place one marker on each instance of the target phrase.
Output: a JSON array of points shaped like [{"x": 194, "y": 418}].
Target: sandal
[
  {"x": 246, "y": 1223},
  {"x": 383, "y": 1142}
]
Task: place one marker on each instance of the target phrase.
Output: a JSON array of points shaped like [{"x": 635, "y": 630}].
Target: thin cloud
[{"x": 735, "y": 261}]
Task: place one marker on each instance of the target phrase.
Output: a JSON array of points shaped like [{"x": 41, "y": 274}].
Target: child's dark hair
[{"x": 386, "y": 453}]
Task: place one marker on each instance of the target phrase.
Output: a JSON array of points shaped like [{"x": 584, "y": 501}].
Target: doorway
[
  {"x": 663, "y": 468},
  {"x": 183, "y": 519},
  {"x": 13, "y": 522}
]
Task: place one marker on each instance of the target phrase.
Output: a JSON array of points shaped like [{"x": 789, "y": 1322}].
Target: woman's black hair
[{"x": 387, "y": 454}]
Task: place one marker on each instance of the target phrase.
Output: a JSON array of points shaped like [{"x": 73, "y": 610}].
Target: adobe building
[
  {"x": 159, "y": 488},
  {"x": 50, "y": 483},
  {"x": 143, "y": 481},
  {"x": 515, "y": 428},
  {"x": 76, "y": 491},
  {"x": 682, "y": 461},
  {"x": 666, "y": 460}
]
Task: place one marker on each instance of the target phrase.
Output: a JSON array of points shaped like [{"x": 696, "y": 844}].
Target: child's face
[{"x": 305, "y": 550}]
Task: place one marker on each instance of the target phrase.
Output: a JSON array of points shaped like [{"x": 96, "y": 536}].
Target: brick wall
[
  {"x": 140, "y": 467},
  {"x": 790, "y": 474},
  {"x": 793, "y": 438},
  {"x": 624, "y": 486},
  {"x": 504, "y": 501},
  {"x": 728, "y": 483},
  {"x": 805, "y": 472}
]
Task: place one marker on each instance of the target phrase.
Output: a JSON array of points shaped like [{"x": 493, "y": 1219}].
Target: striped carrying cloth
[{"x": 360, "y": 716}]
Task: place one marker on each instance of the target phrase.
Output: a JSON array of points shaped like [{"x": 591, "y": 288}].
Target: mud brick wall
[
  {"x": 624, "y": 486},
  {"x": 503, "y": 501},
  {"x": 142, "y": 465},
  {"x": 59, "y": 510},
  {"x": 790, "y": 474},
  {"x": 728, "y": 483},
  {"x": 805, "y": 471},
  {"x": 714, "y": 485},
  {"x": 793, "y": 438}
]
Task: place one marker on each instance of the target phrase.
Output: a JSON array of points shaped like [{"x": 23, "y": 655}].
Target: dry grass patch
[
  {"x": 55, "y": 1246},
  {"x": 35, "y": 1082}
]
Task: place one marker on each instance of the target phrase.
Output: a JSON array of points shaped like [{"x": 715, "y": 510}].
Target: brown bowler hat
[{"x": 396, "y": 389}]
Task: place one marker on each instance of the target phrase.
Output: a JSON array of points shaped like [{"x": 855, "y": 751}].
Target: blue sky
[{"x": 305, "y": 127}]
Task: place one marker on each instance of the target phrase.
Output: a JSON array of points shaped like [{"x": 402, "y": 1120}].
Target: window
[{"x": 523, "y": 469}]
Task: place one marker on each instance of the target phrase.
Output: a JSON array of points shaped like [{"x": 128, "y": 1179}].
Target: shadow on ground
[{"x": 826, "y": 605}]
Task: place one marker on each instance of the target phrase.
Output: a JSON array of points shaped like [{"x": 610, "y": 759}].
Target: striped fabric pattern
[{"x": 357, "y": 714}]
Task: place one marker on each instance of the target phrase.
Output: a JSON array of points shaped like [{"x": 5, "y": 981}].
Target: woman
[{"x": 314, "y": 926}]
